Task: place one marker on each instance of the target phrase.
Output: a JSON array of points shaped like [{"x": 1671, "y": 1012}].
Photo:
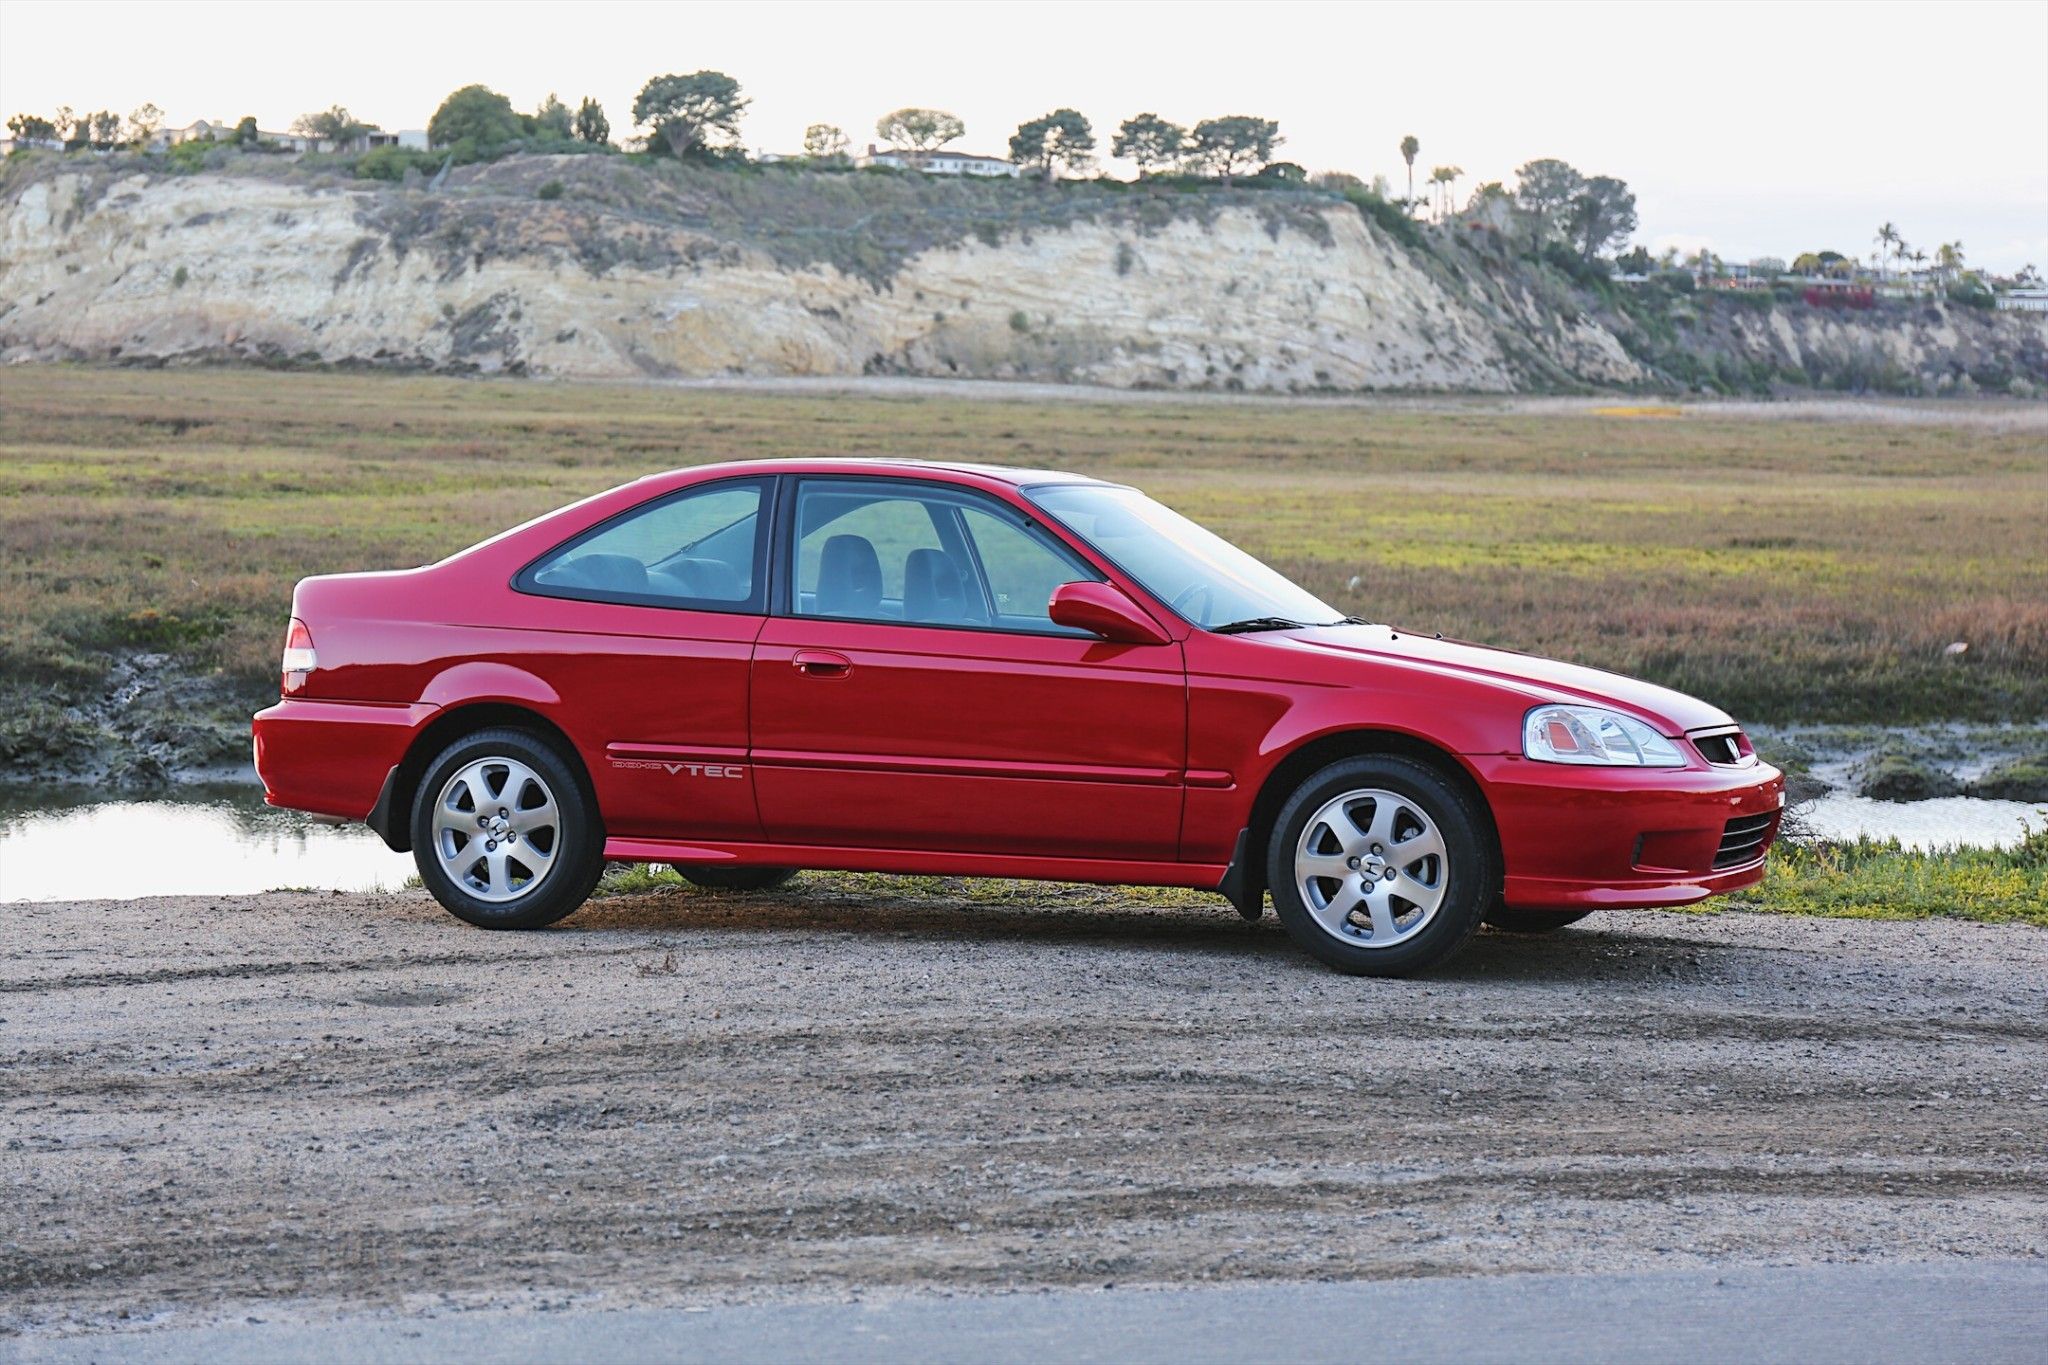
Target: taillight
[{"x": 299, "y": 659}]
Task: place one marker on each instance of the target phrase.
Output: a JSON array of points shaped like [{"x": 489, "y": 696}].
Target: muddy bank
[
  {"x": 293, "y": 1105},
  {"x": 150, "y": 723}
]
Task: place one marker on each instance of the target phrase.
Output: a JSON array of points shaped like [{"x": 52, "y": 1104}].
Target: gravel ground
[{"x": 298, "y": 1105}]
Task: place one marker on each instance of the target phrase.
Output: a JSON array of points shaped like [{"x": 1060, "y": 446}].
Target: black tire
[
  {"x": 577, "y": 841},
  {"x": 1470, "y": 867},
  {"x": 1532, "y": 921},
  {"x": 734, "y": 878}
]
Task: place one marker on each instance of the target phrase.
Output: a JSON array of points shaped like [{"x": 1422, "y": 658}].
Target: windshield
[{"x": 1196, "y": 572}]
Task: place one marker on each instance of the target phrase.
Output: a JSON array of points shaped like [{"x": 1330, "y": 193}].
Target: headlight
[{"x": 1587, "y": 734}]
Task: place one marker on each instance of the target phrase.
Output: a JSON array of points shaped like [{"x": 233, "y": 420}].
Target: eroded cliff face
[
  {"x": 151, "y": 267},
  {"x": 165, "y": 268}
]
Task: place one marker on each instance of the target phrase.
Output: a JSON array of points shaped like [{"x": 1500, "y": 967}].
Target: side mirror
[{"x": 1102, "y": 609}]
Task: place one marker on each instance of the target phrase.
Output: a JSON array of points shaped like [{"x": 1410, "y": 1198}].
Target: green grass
[
  {"x": 1877, "y": 879},
  {"x": 1867, "y": 879},
  {"x": 1793, "y": 571}
]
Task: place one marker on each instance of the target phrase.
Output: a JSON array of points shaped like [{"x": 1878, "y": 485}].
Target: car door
[
  {"x": 648, "y": 639},
  {"x": 910, "y": 691}
]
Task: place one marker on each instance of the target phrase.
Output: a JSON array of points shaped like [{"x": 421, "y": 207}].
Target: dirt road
[{"x": 294, "y": 1105}]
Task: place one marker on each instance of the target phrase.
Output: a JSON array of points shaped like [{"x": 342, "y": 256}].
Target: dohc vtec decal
[{"x": 683, "y": 769}]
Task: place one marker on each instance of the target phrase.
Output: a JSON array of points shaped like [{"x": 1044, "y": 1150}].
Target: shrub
[
  {"x": 1971, "y": 292},
  {"x": 1391, "y": 218},
  {"x": 551, "y": 190},
  {"x": 391, "y": 163}
]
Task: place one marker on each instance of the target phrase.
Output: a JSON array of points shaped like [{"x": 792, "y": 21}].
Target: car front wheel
[
  {"x": 502, "y": 834},
  {"x": 1381, "y": 866}
]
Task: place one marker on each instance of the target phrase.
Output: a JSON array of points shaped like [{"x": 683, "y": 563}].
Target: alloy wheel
[
  {"x": 497, "y": 829},
  {"x": 1372, "y": 868}
]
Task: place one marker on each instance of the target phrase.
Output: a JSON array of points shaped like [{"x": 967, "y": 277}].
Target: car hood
[{"x": 1538, "y": 679}]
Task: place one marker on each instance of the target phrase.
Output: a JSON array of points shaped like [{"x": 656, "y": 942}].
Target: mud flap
[
  {"x": 393, "y": 827},
  {"x": 1241, "y": 884}
]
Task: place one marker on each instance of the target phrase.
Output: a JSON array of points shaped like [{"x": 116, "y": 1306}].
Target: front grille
[{"x": 1744, "y": 839}]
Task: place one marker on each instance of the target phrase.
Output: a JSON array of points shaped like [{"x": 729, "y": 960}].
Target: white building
[
  {"x": 2023, "y": 301},
  {"x": 213, "y": 130},
  {"x": 939, "y": 163}
]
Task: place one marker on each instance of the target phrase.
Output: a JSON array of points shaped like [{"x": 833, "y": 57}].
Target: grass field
[{"x": 1788, "y": 570}]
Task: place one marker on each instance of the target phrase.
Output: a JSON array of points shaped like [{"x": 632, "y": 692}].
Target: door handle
[{"x": 821, "y": 663}]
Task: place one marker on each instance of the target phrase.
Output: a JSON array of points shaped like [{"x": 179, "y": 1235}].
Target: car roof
[{"x": 876, "y": 465}]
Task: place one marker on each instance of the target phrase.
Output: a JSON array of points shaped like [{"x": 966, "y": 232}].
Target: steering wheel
[{"x": 1184, "y": 599}]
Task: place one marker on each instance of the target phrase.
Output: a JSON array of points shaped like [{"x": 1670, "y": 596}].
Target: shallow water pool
[{"x": 219, "y": 843}]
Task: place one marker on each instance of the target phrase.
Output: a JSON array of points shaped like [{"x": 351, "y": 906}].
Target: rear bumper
[
  {"x": 1596, "y": 838},
  {"x": 332, "y": 757}
]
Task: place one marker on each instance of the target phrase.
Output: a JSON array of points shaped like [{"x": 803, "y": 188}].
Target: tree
[
  {"x": 246, "y": 134},
  {"x": 591, "y": 124},
  {"x": 1887, "y": 240},
  {"x": 143, "y": 123},
  {"x": 1635, "y": 262},
  {"x": 32, "y": 128},
  {"x": 1061, "y": 138},
  {"x": 919, "y": 132},
  {"x": 1546, "y": 188},
  {"x": 106, "y": 129},
  {"x": 825, "y": 142},
  {"x": 1150, "y": 141},
  {"x": 336, "y": 125},
  {"x": 1444, "y": 177},
  {"x": 475, "y": 114},
  {"x": 691, "y": 112},
  {"x": 68, "y": 131},
  {"x": 553, "y": 119},
  {"x": 1949, "y": 258},
  {"x": 1409, "y": 147},
  {"x": 1234, "y": 143},
  {"x": 1602, "y": 214}
]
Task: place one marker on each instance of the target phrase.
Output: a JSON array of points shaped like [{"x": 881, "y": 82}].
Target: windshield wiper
[{"x": 1255, "y": 623}]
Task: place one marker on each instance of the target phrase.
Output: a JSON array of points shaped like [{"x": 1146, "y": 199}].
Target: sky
[{"x": 1753, "y": 129}]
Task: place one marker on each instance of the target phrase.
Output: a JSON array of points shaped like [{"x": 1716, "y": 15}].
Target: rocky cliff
[{"x": 592, "y": 267}]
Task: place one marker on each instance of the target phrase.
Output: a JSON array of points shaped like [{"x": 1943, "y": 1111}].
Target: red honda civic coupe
[{"x": 869, "y": 665}]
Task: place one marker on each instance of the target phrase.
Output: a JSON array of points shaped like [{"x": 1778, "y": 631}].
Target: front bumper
[
  {"x": 332, "y": 757},
  {"x": 1629, "y": 838}
]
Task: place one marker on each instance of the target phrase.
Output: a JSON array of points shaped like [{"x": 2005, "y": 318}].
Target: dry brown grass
[{"x": 1788, "y": 569}]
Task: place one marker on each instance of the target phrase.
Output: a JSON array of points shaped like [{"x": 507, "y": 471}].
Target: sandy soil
[
  {"x": 1995, "y": 414},
  {"x": 293, "y": 1105}
]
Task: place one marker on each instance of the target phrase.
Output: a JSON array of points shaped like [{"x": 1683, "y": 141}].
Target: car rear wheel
[
  {"x": 502, "y": 834},
  {"x": 734, "y": 878},
  {"x": 1381, "y": 866},
  {"x": 1532, "y": 921}
]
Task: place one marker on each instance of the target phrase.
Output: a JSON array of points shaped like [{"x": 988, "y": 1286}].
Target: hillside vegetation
[{"x": 616, "y": 266}]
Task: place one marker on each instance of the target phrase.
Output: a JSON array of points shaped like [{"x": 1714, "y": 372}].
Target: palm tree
[
  {"x": 1949, "y": 257},
  {"x": 1409, "y": 147},
  {"x": 1444, "y": 177},
  {"x": 1887, "y": 237}
]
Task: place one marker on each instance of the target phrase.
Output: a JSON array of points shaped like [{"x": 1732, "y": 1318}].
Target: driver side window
[{"x": 891, "y": 551}]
